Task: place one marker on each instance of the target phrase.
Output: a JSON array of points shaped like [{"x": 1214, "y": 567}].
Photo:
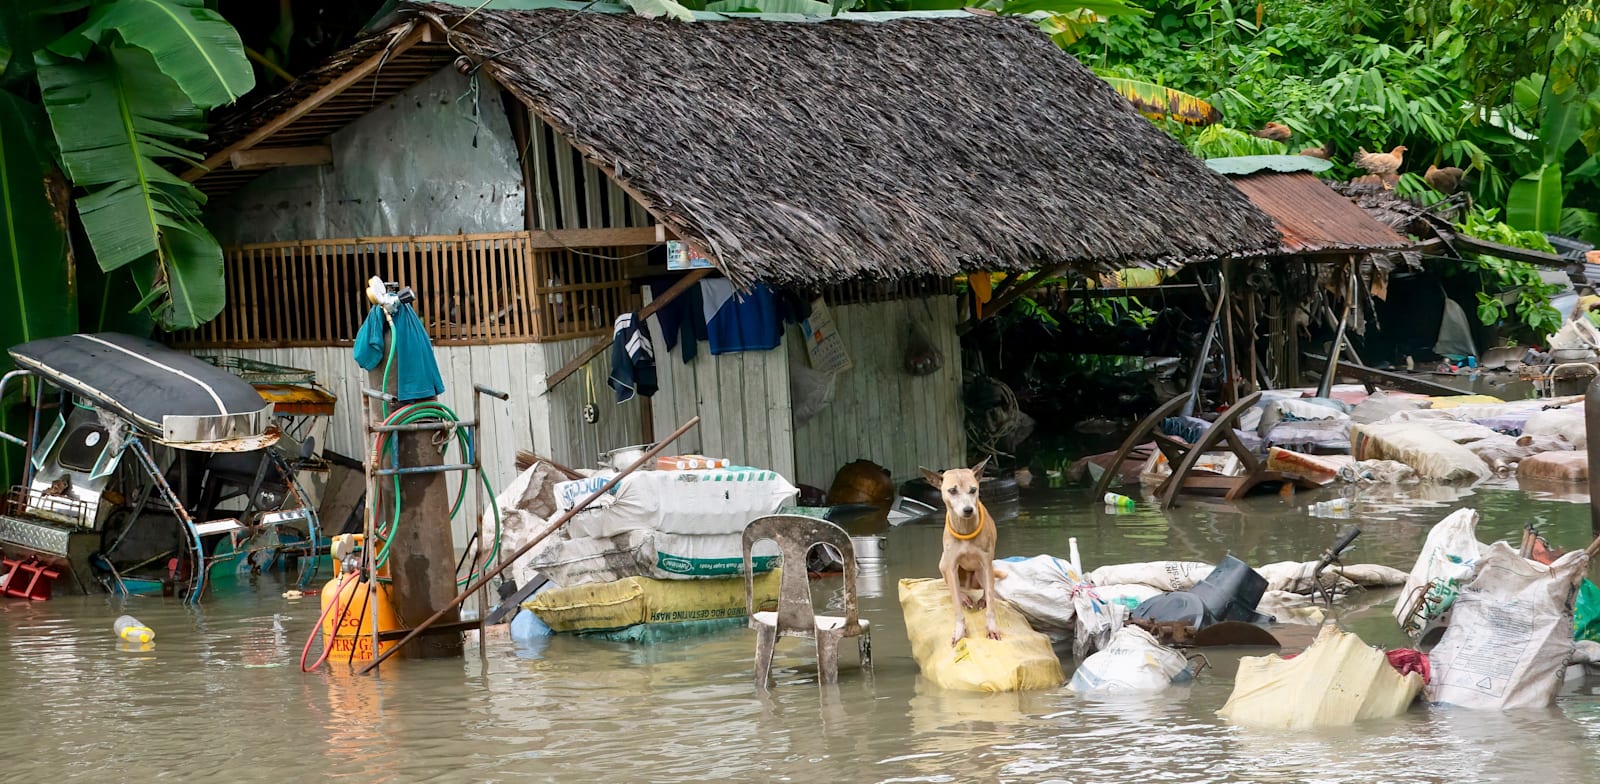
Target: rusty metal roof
[{"x": 1312, "y": 217}]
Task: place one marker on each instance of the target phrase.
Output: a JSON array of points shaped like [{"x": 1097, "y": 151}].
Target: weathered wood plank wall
[
  {"x": 567, "y": 438},
  {"x": 507, "y": 426},
  {"x": 879, "y": 412},
  {"x": 742, "y": 399}
]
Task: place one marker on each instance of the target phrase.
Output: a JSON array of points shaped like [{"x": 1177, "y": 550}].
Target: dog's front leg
[
  {"x": 952, "y": 577},
  {"x": 988, "y": 600}
]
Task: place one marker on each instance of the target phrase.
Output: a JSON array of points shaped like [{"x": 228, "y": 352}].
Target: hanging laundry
[
  {"x": 682, "y": 320},
  {"x": 633, "y": 362},
  {"x": 740, "y": 322},
  {"x": 416, "y": 371}
]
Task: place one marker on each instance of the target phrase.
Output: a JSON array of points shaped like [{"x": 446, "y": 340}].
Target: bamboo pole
[{"x": 644, "y": 459}]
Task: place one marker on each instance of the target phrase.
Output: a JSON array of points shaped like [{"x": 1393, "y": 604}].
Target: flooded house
[{"x": 534, "y": 175}]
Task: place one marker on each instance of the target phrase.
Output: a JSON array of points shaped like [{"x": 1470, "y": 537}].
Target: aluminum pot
[
  {"x": 618, "y": 459},
  {"x": 869, "y": 549}
]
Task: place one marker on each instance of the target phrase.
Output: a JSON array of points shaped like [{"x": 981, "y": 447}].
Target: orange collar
[{"x": 966, "y": 537}]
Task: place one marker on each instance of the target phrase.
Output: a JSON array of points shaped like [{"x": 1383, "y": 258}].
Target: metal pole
[
  {"x": 647, "y": 457},
  {"x": 1198, "y": 374},
  {"x": 1230, "y": 358},
  {"x": 477, "y": 473},
  {"x": 1338, "y": 340},
  {"x": 1591, "y": 426}
]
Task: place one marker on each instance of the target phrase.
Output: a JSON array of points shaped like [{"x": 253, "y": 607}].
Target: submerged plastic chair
[{"x": 795, "y": 536}]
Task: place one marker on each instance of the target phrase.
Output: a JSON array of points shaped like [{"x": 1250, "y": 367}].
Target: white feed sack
[{"x": 1510, "y": 633}]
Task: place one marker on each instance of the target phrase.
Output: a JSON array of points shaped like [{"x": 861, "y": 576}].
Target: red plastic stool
[{"x": 30, "y": 579}]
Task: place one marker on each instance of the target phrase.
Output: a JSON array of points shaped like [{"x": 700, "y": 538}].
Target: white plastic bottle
[{"x": 130, "y": 629}]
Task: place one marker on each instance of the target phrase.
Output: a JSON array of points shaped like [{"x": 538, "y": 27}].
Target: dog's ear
[
  {"x": 934, "y": 477},
  {"x": 977, "y": 470}
]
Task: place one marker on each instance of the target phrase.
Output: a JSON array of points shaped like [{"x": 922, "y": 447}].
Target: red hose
[{"x": 338, "y": 594}]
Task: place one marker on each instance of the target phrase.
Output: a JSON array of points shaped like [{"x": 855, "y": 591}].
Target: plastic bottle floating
[
  {"x": 131, "y": 630},
  {"x": 1120, "y": 503}
]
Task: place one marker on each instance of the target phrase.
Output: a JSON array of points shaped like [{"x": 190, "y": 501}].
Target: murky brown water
[{"x": 221, "y": 697}]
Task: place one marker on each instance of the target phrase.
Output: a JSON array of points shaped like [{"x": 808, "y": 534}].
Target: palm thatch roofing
[{"x": 807, "y": 152}]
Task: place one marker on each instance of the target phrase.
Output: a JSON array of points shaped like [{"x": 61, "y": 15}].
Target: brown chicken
[
  {"x": 1325, "y": 152},
  {"x": 1277, "y": 132},
  {"x": 1446, "y": 180},
  {"x": 1381, "y": 163}
]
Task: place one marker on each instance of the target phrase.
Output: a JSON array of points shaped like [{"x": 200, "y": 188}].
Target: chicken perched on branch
[
  {"x": 1446, "y": 181},
  {"x": 1277, "y": 132}
]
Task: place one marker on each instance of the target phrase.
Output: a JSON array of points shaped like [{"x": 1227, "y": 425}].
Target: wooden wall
[
  {"x": 560, "y": 432},
  {"x": 879, "y": 412},
  {"x": 507, "y": 426},
  {"x": 742, "y": 399}
]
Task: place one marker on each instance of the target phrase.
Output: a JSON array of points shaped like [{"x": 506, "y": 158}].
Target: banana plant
[
  {"x": 1158, "y": 102},
  {"x": 125, "y": 92}
]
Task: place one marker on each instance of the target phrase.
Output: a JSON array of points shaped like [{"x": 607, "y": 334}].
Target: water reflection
[{"x": 577, "y": 709}]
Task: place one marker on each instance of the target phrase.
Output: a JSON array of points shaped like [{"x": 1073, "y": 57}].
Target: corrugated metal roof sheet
[{"x": 1312, "y": 217}]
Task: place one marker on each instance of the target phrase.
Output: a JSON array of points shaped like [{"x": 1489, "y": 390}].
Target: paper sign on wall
[
  {"x": 824, "y": 347},
  {"x": 680, "y": 256}
]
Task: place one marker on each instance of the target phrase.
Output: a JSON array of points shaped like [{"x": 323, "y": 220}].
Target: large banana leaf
[
  {"x": 115, "y": 118},
  {"x": 1157, "y": 102},
  {"x": 1534, "y": 203},
  {"x": 651, "y": 9},
  {"x": 193, "y": 45},
  {"x": 36, "y": 297},
  {"x": 1563, "y": 123}
]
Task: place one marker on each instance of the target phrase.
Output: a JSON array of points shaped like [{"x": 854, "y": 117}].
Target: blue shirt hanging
[
  {"x": 416, "y": 370},
  {"x": 740, "y": 322}
]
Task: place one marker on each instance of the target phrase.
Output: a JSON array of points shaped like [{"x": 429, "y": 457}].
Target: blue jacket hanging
[
  {"x": 633, "y": 361},
  {"x": 416, "y": 370}
]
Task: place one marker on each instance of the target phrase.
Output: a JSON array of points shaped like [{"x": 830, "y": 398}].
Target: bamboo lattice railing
[{"x": 471, "y": 289}]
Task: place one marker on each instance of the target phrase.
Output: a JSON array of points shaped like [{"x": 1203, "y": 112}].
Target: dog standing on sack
[{"x": 969, "y": 539}]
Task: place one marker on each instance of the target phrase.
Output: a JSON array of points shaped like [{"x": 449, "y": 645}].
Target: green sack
[{"x": 1586, "y": 618}]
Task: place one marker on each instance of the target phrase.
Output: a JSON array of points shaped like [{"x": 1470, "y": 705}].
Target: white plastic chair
[{"x": 795, "y": 536}]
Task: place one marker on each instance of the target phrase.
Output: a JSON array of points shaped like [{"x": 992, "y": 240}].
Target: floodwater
[{"x": 221, "y": 697}]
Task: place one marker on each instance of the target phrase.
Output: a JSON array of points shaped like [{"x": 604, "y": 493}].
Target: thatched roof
[{"x": 806, "y": 152}]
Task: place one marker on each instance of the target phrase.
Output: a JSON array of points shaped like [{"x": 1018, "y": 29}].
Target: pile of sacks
[
  {"x": 658, "y": 556},
  {"x": 1508, "y": 620}
]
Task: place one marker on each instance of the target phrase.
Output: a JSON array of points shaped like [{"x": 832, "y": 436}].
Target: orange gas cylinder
[{"x": 349, "y": 626}]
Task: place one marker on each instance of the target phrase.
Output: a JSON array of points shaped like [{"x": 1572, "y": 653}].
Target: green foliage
[
  {"x": 1499, "y": 278},
  {"x": 1220, "y": 141},
  {"x": 1535, "y": 200},
  {"x": 1505, "y": 88},
  {"x": 125, "y": 92},
  {"x": 36, "y": 297}
]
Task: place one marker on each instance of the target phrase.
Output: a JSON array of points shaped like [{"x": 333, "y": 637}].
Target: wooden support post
[
  {"x": 604, "y": 343},
  {"x": 1230, "y": 359},
  {"x": 1197, "y": 374},
  {"x": 421, "y": 548},
  {"x": 555, "y": 525}
]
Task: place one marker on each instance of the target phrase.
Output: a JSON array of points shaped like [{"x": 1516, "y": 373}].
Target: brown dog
[{"x": 969, "y": 538}]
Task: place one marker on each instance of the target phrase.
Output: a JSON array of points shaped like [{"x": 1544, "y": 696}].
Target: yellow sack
[
  {"x": 1339, "y": 680},
  {"x": 1451, "y": 401},
  {"x": 596, "y": 607},
  {"x": 1020, "y": 659}
]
